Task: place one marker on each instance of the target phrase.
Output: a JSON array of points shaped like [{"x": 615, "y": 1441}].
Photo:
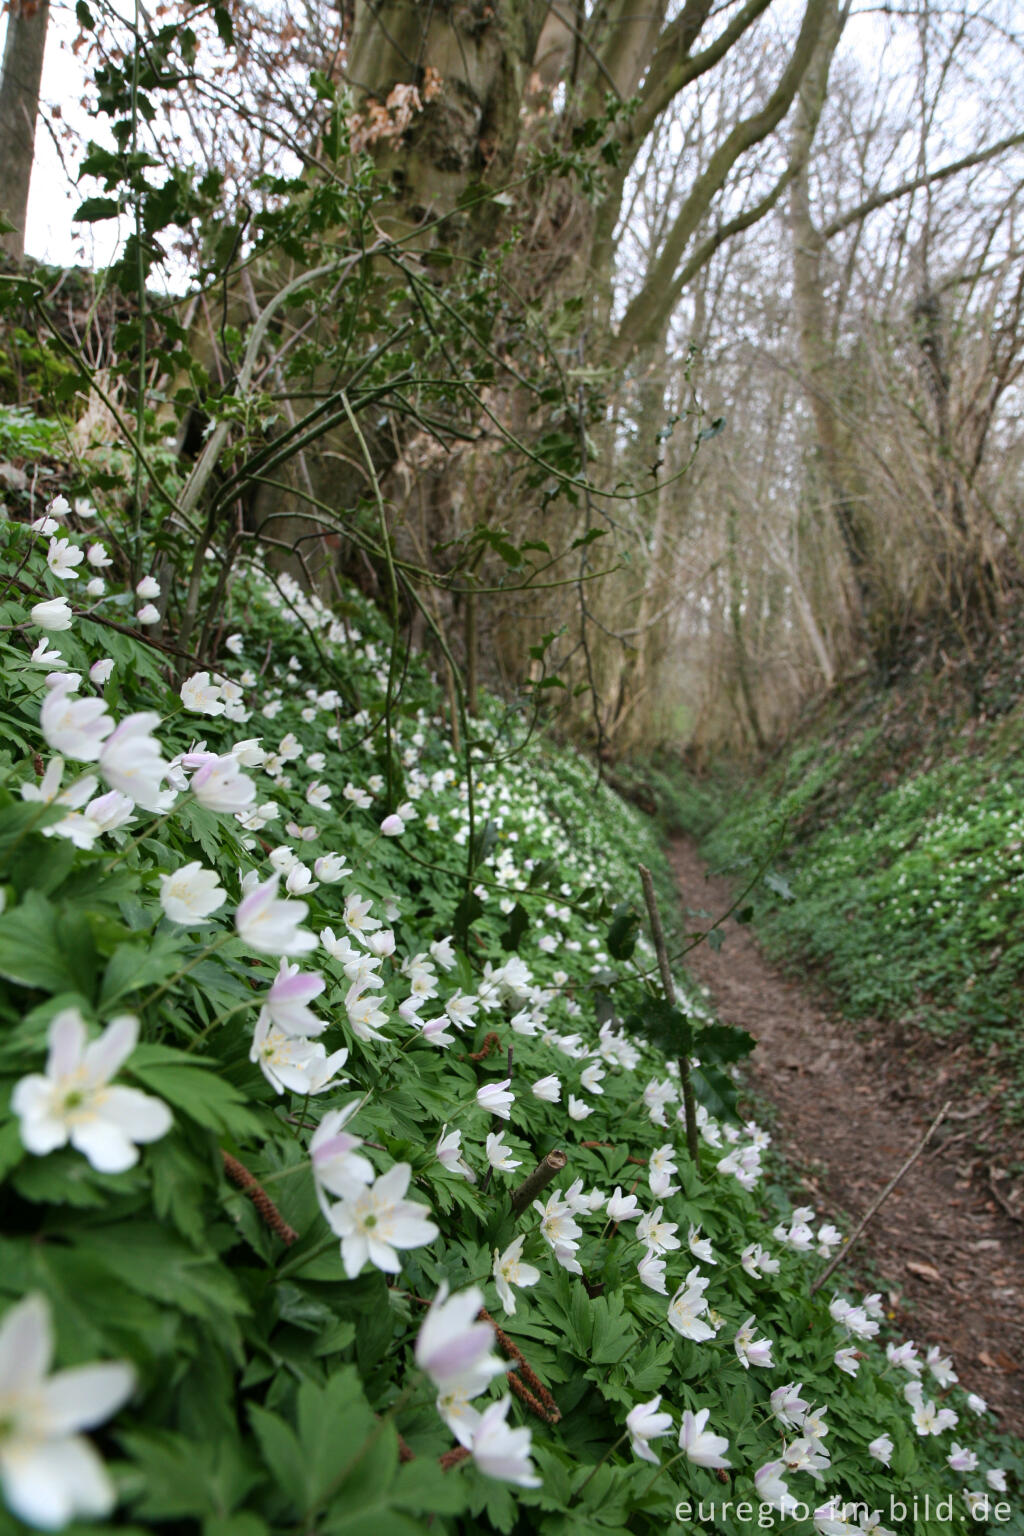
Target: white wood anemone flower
[
  {"x": 48, "y": 1472},
  {"x": 75, "y": 1102}
]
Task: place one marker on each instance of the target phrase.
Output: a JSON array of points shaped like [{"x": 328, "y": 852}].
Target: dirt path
[{"x": 849, "y": 1114}]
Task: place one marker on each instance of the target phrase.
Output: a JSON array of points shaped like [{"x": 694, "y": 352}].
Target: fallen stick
[
  {"x": 886, "y": 1192},
  {"x": 547, "y": 1169}
]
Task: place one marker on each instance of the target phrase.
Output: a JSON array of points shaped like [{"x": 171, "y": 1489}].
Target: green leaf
[
  {"x": 41, "y": 947},
  {"x": 624, "y": 931},
  {"x": 96, "y": 208},
  {"x": 195, "y": 1087}
]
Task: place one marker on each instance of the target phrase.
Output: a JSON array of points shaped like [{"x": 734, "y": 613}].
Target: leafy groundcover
[{"x": 295, "y": 1000}]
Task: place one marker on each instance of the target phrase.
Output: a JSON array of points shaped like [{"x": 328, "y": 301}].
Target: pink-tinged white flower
[
  {"x": 330, "y": 868},
  {"x": 905, "y": 1356},
  {"x": 454, "y": 1347},
  {"x": 130, "y": 761},
  {"x": 996, "y": 1479},
  {"x": 433, "y": 1031},
  {"x": 882, "y": 1449},
  {"x": 686, "y": 1314},
  {"x": 496, "y": 1099},
  {"x": 74, "y": 1101},
  {"x": 63, "y": 557},
  {"x": 702, "y": 1446},
  {"x": 287, "y": 1002},
  {"x": 751, "y": 1350},
  {"x": 591, "y": 1078},
  {"x": 960, "y": 1459},
  {"x": 271, "y": 926},
  {"x": 382, "y": 943},
  {"x": 622, "y": 1207},
  {"x": 829, "y": 1237},
  {"x": 357, "y": 916},
  {"x": 48, "y": 791},
  {"x": 339, "y": 1168},
  {"x": 857, "y": 1322},
  {"x": 443, "y": 951},
  {"x": 651, "y": 1270},
  {"x": 644, "y": 1423},
  {"x": 699, "y": 1246},
  {"x": 941, "y": 1366},
  {"x": 556, "y": 1222},
  {"x": 771, "y": 1487},
  {"x": 510, "y": 1269},
  {"x": 830, "y": 1520},
  {"x": 318, "y": 795},
  {"x": 788, "y": 1406},
  {"x": 392, "y": 826},
  {"x": 547, "y": 1088},
  {"x": 147, "y": 588},
  {"x": 498, "y": 1155},
  {"x": 49, "y": 1473},
  {"x": 758, "y": 1262},
  {"x": 929, "y": 1419},
  {"x": 501, "y": 1452},
  {"x": 200, "y": 696},
  {"x": 110, "y": 811},
  {"x": 43, "y": 656},
  {"x": 101, "y": 671},
  {"x": 52, "y": 615},
  {"x": 365, "y": 1015},
  {"x": 75, "y": 728},
  {"x": 449, "y": 1153},
  {"x": 220, "y": 785},
  {"x": 191, "y": 894},
  {"x": 148, "y": 614},
  {"x": 379, "y": 1221},
  {"x": 578, "y": 1109},
  {"x": 659, "y": 1235},
  {"x": 291, "y": 1063},
  {"x": 299, "y": 881},
  {"x": 848, "y": 1359},
  {"x": 806, "y": 1455}
]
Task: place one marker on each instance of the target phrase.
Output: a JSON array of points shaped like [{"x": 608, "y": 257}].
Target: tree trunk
[{"x": 19, "y": 105}]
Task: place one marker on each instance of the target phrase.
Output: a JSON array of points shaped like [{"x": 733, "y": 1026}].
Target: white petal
[
  {"x": 107, "y": 1148},
  {"x": 48, "y": 1483},
  {"x": 86, "y": 1395},
  {"x": 140, "y": 1116},
  {"x": 67, "y": 1042},
  {"x": 105, "y": 1055},
  {"x": 26, "y": 1344}
]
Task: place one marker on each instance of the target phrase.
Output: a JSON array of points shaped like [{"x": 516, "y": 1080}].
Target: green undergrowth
[
  {"x": 294, "y": 994},
  {"x": 886, "y": 847}
]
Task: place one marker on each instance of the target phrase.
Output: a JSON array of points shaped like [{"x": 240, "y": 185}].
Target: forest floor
[{"x": 853, "y": 1102}]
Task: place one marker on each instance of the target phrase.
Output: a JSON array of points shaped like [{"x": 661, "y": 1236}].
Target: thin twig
[
  {"x": 664, "y": 966},
  {"x": 844, "y": 1252}
]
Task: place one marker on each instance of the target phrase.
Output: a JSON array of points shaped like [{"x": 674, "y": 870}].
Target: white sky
[{"x": 50, "y": 235}]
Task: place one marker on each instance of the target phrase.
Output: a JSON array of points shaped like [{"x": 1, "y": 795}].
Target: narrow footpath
[{"x": 948, "y": 1259}]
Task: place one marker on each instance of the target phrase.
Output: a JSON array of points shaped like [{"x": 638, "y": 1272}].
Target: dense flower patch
[{"x": 345, "y": 1170}]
